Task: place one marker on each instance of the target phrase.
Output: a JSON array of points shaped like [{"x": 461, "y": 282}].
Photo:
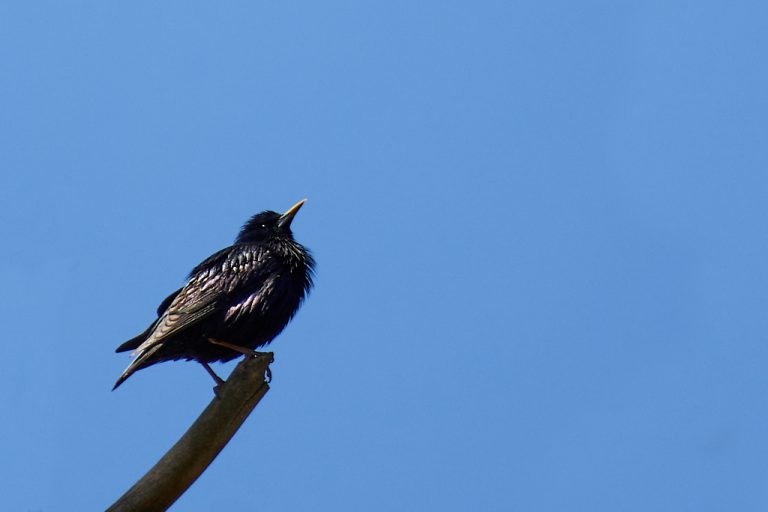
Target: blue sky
[{"x": 539, "y": 226}]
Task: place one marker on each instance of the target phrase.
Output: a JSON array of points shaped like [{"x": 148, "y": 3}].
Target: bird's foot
[
  {"x": 270, "y": 359},
  {"x": 269, "y": 355}
]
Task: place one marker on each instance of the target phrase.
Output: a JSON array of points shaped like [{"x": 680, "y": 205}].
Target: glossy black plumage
[{"x": 243, "y": 295}]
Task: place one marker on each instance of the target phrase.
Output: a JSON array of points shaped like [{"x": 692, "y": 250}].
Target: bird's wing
[
  {"x": 204, "y": 291},
  {"x": 219, "y": 283},
  {"x": 167, "y": 302},
  {"x": 197, "y": 300},
  {"x": 134, "y": 342}
]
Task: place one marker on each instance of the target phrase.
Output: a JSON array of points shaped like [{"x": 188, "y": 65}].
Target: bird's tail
[{"x": 141, "y": 361}]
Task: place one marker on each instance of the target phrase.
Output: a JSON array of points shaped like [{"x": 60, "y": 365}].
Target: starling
[{"x": 235, "y": 301}]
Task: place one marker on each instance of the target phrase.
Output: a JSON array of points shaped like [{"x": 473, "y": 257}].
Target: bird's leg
[
  {"x": 237, "y": 348},
  {"x": 219, "y": 380},
  {"x": 243, "y": 350}
]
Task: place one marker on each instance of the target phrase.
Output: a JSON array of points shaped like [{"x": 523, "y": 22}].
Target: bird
[{"x": 235, "y": 301}]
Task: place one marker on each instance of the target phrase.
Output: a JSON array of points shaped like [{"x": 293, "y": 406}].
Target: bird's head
[{"x": 268, "y": 224}]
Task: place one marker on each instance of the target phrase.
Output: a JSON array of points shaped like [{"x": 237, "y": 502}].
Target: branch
[{"x": 208, "y": 435}]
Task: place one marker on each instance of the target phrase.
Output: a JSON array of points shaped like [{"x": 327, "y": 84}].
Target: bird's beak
[{"x": 284, "y": 222}]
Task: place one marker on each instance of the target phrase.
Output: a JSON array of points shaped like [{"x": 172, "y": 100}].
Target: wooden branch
[{"x": 209, "y": 434}]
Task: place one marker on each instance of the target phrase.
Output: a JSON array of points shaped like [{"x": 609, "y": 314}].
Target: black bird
[{"x": 235, "y": 301}]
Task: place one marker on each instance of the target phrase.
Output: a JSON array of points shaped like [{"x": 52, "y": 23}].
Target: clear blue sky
[{"x": 540, "y": 230}]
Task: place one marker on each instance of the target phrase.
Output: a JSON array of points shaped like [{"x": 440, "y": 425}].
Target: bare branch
[{"x": 187, "y": 459}]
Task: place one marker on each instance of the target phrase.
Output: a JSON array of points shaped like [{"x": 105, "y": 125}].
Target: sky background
[{"x": 540, "y": 230}]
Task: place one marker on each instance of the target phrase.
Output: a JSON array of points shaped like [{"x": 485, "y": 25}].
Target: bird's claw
[{"x": 270, "y": 359}]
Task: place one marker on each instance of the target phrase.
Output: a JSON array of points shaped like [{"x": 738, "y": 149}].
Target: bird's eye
[{"x": 264, "y": 226}]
